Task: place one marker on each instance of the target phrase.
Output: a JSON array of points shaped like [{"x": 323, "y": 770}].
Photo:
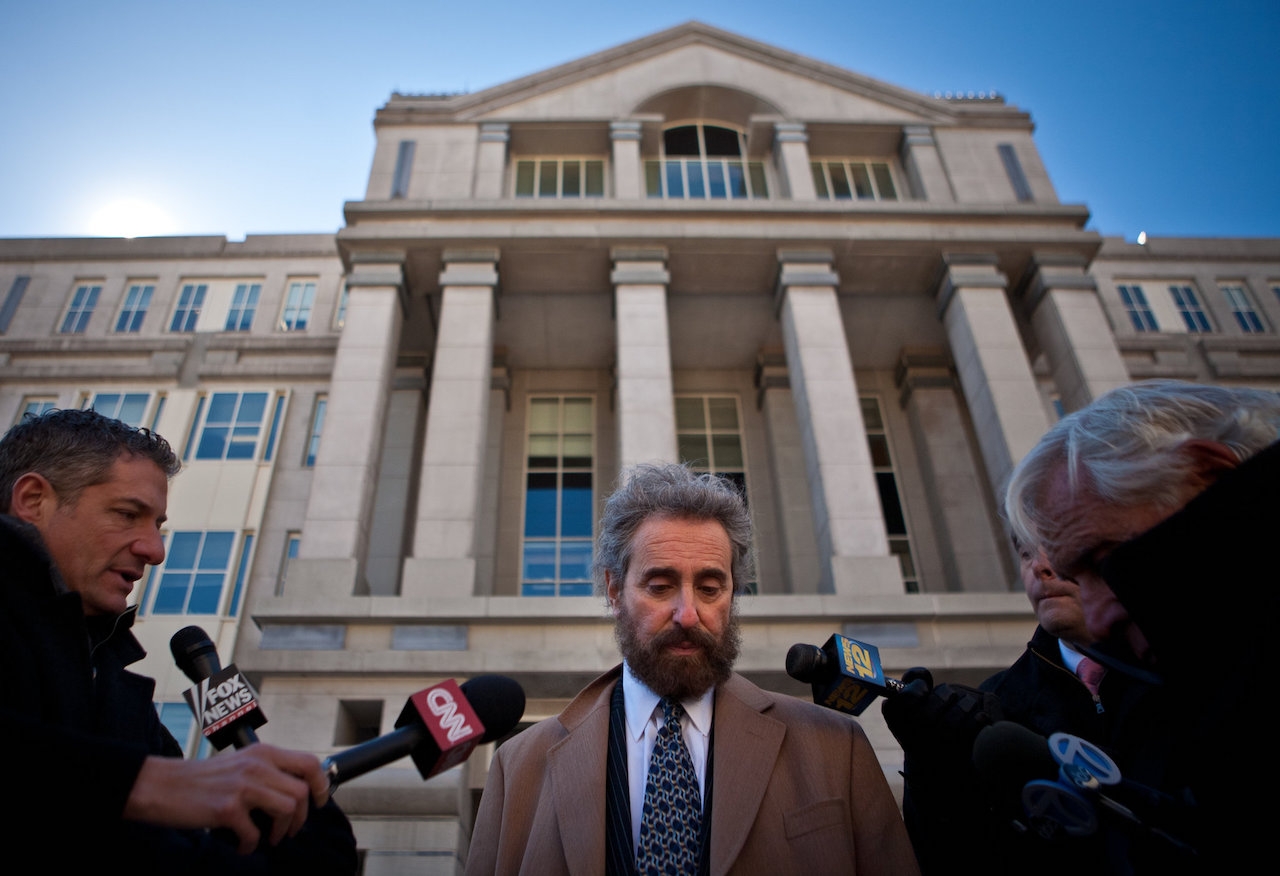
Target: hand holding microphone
[{"x": 262, "y": 793}]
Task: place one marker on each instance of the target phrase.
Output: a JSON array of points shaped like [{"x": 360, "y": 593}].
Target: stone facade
[{"x": 653, "y": 232}]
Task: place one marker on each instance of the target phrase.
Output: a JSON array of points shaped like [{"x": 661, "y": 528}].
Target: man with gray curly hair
[
  {"x": 1160, "y": 500},
  {"x": 764, "y": 782}
]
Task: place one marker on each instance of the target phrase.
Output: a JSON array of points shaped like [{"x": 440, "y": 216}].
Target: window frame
[{"x": 79, "y": 310}]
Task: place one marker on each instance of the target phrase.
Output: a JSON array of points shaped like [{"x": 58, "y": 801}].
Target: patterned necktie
[
  {"x": 1090, "y": 672},
  {"x": 672, "y": 820}
]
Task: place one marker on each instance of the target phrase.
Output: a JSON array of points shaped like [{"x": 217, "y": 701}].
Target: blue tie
[{"x": 672, "y": 819}]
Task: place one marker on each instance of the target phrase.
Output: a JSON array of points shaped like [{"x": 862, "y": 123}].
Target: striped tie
[{"x": 672, "y": 819}]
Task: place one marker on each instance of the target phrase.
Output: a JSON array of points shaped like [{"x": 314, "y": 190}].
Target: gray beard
[{"x": 669, "y": 675}]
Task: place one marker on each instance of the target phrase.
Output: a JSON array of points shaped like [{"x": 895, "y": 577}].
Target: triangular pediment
[{"x": 689, "y": 71}]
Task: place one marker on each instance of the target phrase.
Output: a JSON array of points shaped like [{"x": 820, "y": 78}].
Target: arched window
[{"x": 704, "y": 161}]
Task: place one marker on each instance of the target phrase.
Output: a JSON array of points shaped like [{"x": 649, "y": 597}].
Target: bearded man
[{"x": 760, "y": 782}]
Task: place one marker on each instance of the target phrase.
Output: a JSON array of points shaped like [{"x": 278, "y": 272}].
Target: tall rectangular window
[
  {"x": 232, "y": 425},
  {"x": 404, "y": 169},
  {"x": 559, "y": 502},
  {"x": 187, "y": 313},
  {"x": 1135, "y": 304},
  {"x": 128, "y": 407},
  {"x": 895, "y": 520},
  {"x": 1184, "y": 298},
  {"x": 11, "y": 301},
  {"x": 317, "y": 426},
  {"x": 83, "y": 300},
  {"x": 1242, "y": 309},
  {"x": 297, "y": 306},
  {"x": 244, "y": 303},
  {"x": 134, "y": 309},
  {"x": 1013, "y": 169},
  {"x": 194, "y": 572},
  {"x": 179, "y": 720},
  {"x": 242, "y": 575},
  {"x": 709, "y": 439}
]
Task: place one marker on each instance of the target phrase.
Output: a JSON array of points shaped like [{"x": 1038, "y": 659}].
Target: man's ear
[
  {"x": 613, "y": 592},
  {"x": 32, "y": 497},
  {"x": 1210, "y": 459}
]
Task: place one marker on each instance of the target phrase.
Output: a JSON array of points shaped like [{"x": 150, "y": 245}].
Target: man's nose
[
  {"x": 686, "y": 610},
  {"x": 151, "y": 548}
]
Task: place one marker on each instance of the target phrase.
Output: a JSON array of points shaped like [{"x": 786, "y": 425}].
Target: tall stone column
[
  {"x": 1066, "y": 316},
  {"x": 628, "y": 172},
  {"x": 849, "y": 524},
  {"x": 335, "y": 533},
  {"x": 453, "y": 454},
  {"x": 791, "y": 147},
  {"x": 924, "y": 168},
  {"x": 963, "y": 511},
  {"x": 802, "y": 564},
  {"x": 646, "y": 403},
  {"x": 1004, "y": 403},
  {"x": 491, "y": 160}
]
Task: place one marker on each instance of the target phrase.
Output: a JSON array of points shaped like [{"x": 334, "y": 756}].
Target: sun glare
[{"x": 130, "y": 218}]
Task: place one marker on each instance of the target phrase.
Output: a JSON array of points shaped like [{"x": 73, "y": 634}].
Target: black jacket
[{"x": 76, "y": 725}]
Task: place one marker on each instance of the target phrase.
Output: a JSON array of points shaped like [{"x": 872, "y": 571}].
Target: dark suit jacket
[{"x": 798, "y": 789}]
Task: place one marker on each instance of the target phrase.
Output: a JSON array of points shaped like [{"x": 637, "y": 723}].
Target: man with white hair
[{"x": 1159, "y": 499}]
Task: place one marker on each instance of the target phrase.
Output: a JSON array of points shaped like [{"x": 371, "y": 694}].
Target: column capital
[
  {"x": 639, "y": 266},
  {"x": 624, "y": 129},
  {"x": 470, "y": 267},
  {"x": 967, "y": 270},
  {"x": 922, "y": 368},
  {"x": 495, "y": 132},
  {"x": 1048, "y": 271},
  {"x": 790, "y": 132}
]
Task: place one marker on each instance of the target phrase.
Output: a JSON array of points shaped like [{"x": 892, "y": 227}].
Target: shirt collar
[{"x": 640, "y": 703}]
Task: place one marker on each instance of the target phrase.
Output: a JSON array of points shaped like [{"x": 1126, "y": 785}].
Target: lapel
[
  {"x": 577, "y": 766},
  {"x": 747, "y": 743}
]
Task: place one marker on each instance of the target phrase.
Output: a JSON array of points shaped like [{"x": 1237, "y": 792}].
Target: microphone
[
  {"x": 1067, "y": 782},
  {"x": 223, "y": 701},
  {"x": 846, "y": 675},
  {"x": 439, "y": 727}
]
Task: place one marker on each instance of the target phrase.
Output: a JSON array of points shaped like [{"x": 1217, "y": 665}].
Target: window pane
[
  {"x": 171, "y": 598},
  {"x": 540, "y": 505},
  {"x": 884, "y": 182},
  {"x": 595, "y": 178},
  {"x": 819, "y": 180},
  {"x": 524, "y": 179},
  {"x": 675, "y": 180},
  {"x": 572, "y": 186},
  {"x": 721, "y": 141},
  {"x": 716, "y": 179},
  {"x": 577, "y": 450},
  {"x": 862, "y": 182},
  {"x": 544, "y": 450},
  {"x": 689, "y": 413},
  {"x": 544, "y": 415},
  {"x": 879, "y": 447},
  {"x": 871, "y": 414},
  {"x": 887, "y": 485},
  {"x": 697, "y": 188},
  {"x": 839, "y": 182},
  {"x": 693, "y": 448},
  {"x": 575, "y": 562},
  {"x": 724, "y": 413},
  {"x": 728, "y": 451},
  {"x": 577, "y": 415},
  {"x": 653, "y": 179},
  {"x": 682, "y": 140},
  {"x": 539, "y": 561},
  {"x": 547, "y": 178},
  {"x": 759, "y": 185},
  {"x": 576, "y": 510},
  {"x": 206, "y": 590}
]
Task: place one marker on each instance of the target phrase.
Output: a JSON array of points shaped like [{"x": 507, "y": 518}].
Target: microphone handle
[{"x": 367, "y": 756}]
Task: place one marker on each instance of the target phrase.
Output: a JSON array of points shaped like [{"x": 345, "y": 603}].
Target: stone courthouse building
[{"x": 860, "y": 303}]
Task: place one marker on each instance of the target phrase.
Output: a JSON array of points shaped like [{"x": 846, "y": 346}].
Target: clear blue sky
[{"x": 240, "y": 118}]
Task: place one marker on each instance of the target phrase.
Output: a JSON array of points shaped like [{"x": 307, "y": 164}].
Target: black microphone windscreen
[
  {"x": 498, "y": 702},
  {"x": 1006, "y": 754},
  {"x": 195, "y": 653},
  {"x": 805, "y": 661}
]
